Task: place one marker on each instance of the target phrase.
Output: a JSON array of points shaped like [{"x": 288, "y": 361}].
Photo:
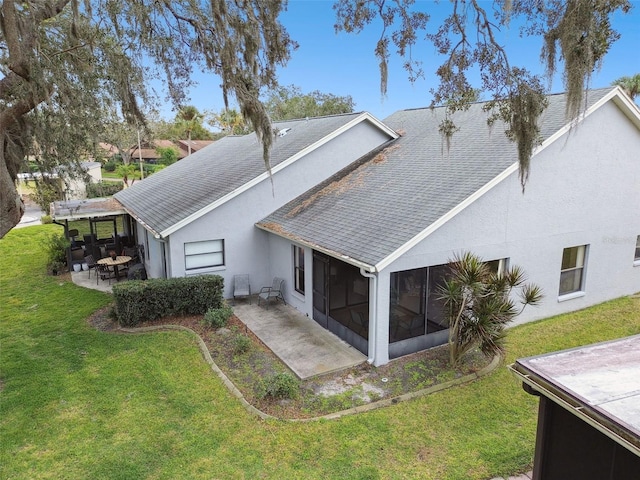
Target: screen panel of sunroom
[{"x": 414, "y": 308}]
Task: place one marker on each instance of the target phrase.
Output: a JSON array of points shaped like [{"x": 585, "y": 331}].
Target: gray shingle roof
[
  {"x": 192, "y": 184},
  {"x": 376, "y": 205}
]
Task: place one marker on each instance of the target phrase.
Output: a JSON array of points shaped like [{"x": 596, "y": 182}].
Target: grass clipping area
[
  {"x": 249, "y": 364},
  {"x": 77, "y": 402}
]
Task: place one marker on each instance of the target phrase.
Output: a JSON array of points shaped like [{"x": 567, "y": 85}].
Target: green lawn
[{"x": 78, "y": 403}]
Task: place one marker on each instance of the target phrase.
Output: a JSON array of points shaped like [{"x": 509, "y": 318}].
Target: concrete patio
[
  {"x": 304, "y": 346},
  {"x": 82, "y": 279}
]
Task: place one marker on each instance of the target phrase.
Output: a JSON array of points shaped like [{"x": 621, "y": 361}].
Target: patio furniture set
[
  {"x": 242, "y": 289},
  {"x": 112, "y": 266}
]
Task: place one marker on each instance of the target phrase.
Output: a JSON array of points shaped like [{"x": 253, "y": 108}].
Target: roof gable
[
  {"x": 183, "y": 192},
  {"x": 381, "y": 206}
]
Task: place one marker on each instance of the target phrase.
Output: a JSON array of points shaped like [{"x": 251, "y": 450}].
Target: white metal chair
[
  {"x": 274, "y": 291},
  {"x": 241, "y": 287}
]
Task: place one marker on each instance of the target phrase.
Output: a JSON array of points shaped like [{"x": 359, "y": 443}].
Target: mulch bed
[{"x": 360, "y": 385}]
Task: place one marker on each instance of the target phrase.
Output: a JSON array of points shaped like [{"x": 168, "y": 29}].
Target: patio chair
[
  {"x": 358, "y": 319},
  {"x": 133, "y": 253},
  {"x": 241, "y": 287},
  {"x": 413, "y": 326},
  {"x": 91, "y": 263},
  {"x": 274, "y": 291},
  {"x": 104, "y": 273}
]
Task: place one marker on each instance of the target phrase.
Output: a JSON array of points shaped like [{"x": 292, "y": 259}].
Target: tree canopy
[
  {"x": 229, "y": 121},
  {"x": 577, "y": 33},
  {"x": 67, "y": 64},
  {"x": 631, "y": 85},
  {"x": 287, "y": 103}
]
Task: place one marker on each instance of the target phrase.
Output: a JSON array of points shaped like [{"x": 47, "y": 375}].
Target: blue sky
[{"x": 344, "y": 64}]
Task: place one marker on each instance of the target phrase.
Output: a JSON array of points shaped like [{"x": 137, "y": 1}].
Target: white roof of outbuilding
[{"x": 599, "y": 383}]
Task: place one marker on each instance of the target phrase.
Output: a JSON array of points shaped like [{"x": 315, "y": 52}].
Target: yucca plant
[{"x": 480, "y": 303}]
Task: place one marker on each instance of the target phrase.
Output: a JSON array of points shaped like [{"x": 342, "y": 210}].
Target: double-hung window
[
  {"x": 572, "y": 270},
  {"x": 298, "y": 269},
  {"x": 206, "y": 254},
  {"x": 499, "y": 266}
]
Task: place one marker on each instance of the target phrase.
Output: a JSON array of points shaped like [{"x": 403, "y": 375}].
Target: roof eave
[
  {"x": 616, "y": 94},
  {"x": 365, "y": 116},
  {"x": 345, "y": 258}
]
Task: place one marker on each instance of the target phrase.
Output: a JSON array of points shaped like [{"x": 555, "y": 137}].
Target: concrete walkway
[
  {"x": 303, "y": 345},
  {"x": 32, "y": 215}
]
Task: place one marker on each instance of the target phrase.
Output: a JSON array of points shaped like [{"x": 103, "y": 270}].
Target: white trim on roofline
[
  {"x": 385, "y": 262},
  {"x": 282, "y": 165},
  {"x": 620, "y": 99},
  {"x": 319, "y": 248},
  {"x": 144, "y": 224},
  {"x": 631, "y": 109}
]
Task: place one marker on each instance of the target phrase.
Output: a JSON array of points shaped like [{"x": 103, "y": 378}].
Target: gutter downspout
[
  {"x": 373, "y": 314},
  {"x": 163, "y": 242}
]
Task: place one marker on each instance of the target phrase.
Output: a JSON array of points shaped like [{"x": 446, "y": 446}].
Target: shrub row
[
  {"x": 138, "y": 301},
  {"x": 103, "y": 189}
]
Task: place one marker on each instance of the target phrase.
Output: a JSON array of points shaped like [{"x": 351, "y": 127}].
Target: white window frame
[
  {"x": 578, "y": 268},
  {"x": 503, "y": 265},
  {"x": 298, "y": 270},
  {"x": 636, "y": 258},
  {"x": 203, "y": 255}
]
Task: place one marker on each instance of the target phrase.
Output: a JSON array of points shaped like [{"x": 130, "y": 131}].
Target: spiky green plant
[{"x": 480, "y": 303}]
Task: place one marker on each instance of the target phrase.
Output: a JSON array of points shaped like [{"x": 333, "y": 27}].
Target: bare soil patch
[{"x": 249, "y": 364}]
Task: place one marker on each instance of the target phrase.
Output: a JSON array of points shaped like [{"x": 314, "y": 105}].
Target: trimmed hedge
[{"x": 138, "y": 301}]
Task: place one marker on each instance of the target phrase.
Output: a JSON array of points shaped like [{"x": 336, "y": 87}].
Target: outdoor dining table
[{"x": 115, "y": 263}]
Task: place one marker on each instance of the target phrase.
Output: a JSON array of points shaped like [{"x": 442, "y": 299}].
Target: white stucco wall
[
  {"x": 584, "y": 189},
  {"x": 76, "y": 187},
  {"x": 281, "y": 258},
  {"x": 246, "y": 247}
]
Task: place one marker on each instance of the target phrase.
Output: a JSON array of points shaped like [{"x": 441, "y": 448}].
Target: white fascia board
[
  {"x": 616, "y": 95},
  {"x": 143, "y": 223},
  {"x": 314, "y": 246},
  {"x": 265, "y": 176},
  {"x": 630, "y": 109},
  {"x": 85, "y": 216}
]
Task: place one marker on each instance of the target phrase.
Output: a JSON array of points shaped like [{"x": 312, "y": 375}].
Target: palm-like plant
[
  {"x": 631, "y": 85},
  {"x": 189, "y": 118},
  {"x": 128, "y": 174},
  {"x": 480, "y": 303}
]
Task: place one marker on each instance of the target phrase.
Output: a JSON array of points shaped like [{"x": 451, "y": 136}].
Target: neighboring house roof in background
[
  {"x": 109, "y": 150},
  {"x": 149, "y": 151},
  {"x": 186, "y": 190},
  {"x": 380, "y": 206},
  {"x": 195, "y": 144}
]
